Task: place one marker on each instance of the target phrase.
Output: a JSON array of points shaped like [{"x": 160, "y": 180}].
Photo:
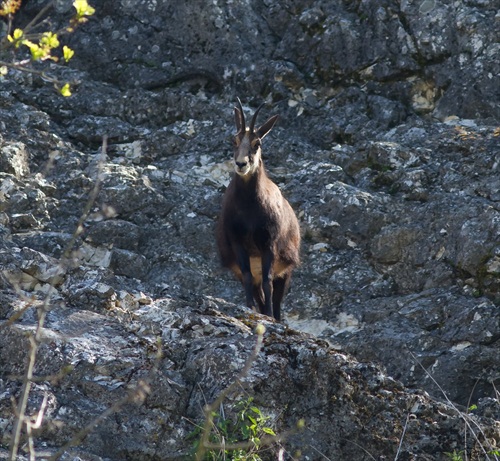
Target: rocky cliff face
[{"x": 388, "y": 150}]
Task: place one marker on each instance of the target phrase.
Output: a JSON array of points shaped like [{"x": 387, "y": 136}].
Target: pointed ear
[
  {"x": 238, "y": 118},
  {"x": 267, "y": 126}
]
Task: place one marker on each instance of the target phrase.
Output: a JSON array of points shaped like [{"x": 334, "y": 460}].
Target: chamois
[{"x": 258, "y": 234}]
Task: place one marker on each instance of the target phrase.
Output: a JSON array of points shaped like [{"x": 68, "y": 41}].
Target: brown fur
[{"x": 258, "y": 235}]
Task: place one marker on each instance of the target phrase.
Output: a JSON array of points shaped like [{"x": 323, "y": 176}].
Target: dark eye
[{"x": 256, "y": 146}]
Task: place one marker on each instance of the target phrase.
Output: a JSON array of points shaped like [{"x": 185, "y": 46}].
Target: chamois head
[{"x": 247, "y": 142}]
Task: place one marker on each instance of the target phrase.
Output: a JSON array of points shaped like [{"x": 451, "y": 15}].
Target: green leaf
[
  {"x": 256, "y": 410},
  {"x": 83, "y": 9},
  {"x": 68, "y": 53},
  {"x": 268, "y": 430},
  {"x": 16, "y": 37},
  {"x": 37, "y": 52},
  {"x": 65, "y": 90},
  {"x": 49, "y": 40},
  {"x": 245, "y": 432}
]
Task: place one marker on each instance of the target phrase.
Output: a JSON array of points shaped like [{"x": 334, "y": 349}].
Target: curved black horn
[
  {"x": 254, "y": 118},
  {"x": 240, "y": 108}
]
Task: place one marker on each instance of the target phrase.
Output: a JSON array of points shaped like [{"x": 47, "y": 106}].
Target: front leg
[
  {"x": 280, "y": 286},
  {"x": 247, "y": 279},
  {"x": 267, "y": 281}
]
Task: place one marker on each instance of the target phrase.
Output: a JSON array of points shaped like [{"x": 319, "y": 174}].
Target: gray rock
[
  {"x": 387, "y": 148},
  {"x": 115, "y": 232},
  {"x": 106, "y": 359},
  {"x": 128, "y": 263},
  {"x": 14, "y": 159}
]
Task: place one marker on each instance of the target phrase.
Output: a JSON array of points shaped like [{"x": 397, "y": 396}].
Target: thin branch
[
  {"x": 90, "y": 202},
  {"x": 35, "y": 425},
  {"x": 496, "y": 391},
  {"x": 23, "y": 402},
  {"x": 361, "y": 448},
  {"x": 469, "y": 422},
  {"x": 402, "y": 437},
  {"x": 15, "y": 316},
  {"x": 20, "y": 66},
  {"x": 7, "y": 42},
  {"x": 34, "y": 21},
  {"x": 209, "y": 409},
  {"x": 468, "y": 406},
  {"x": 39, "y": 418},
  {"x": 36, "y": 339},
  {"x": 320, "y": 453},
  {"x": 137, "y": 394}
]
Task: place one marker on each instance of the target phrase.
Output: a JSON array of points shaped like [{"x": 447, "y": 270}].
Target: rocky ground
[{"x": 388, "y": 150}]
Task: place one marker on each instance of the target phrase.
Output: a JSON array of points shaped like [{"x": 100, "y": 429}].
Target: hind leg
[
  {"x": 280, "y": 287},
  {"x": 258, "y": 295}
]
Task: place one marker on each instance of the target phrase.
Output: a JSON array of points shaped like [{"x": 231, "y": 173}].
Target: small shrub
[
  {"x": 42, "y": 46},
  {"x": 455, "y": 456},
  {"x": 239, "y": 438}
]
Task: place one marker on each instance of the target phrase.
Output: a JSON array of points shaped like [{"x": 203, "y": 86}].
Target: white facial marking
[{"x": 246, "y": 162}]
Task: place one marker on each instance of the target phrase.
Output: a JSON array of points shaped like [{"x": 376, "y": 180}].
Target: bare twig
[
  {"x": 209, "y": 409},
  {"x": 90, "y": 203},
  {"x": 497, "y": 394},
  {"x": 320, "y": 453},
  {"x": 137, "y": 394},
  {"x": 41, "y": 13},
  {"x": 21, "y": 407},
  {"x": 35, "y": 425},
  {"x": 16, "y": 316},
  {"x": 28, "y": 36},
  {"x": 470, "y": 424},
  {"x": 466, "y": 456},
  {"x": 402, "y": 437},
  {"x": 361, "y": 448},
  {"x": 265, "y": 440},
  {"x": 22, "y": 67},
  {"x": 36, "y": 339}
]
